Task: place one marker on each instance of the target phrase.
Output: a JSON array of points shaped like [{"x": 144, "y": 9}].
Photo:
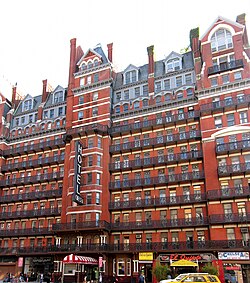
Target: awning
[
  {"x": 183, "y": 262},
  {"x": 79, "y": 259}
]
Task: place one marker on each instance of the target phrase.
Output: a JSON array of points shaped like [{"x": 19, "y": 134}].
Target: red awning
[{"x": 79, "y": 259}]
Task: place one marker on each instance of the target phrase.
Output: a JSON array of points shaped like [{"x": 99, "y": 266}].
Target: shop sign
[
  {"x": 190, "y": 257},
  {"x": 145, "y": 256},
  {"x": 78, "y": 170},
  {"x": 233, "y": 255},
  {"x": 20, "y": 262},
  {"x": 100, "y": 261},
  {"x": 41, "y": 260}
]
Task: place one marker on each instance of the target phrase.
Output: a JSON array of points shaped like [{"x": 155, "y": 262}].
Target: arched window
[
  {"x": 96, "y": 63},
  {"x": 33, "y": 129},
  {"x": 117, "y": 109},
  {"x": 125, "y": 107},
  {"x": 13, "y": 133},
  {"x": 158, "y": 99},
  {"x": 27, "y": 130},
  {"x": 90, "y": 65},
  {"x": 58, "y": 124},
  {"x": 221, "y": 39},
  {"x": 136, "y": 105},
  {"x": 83, "y": 67}
]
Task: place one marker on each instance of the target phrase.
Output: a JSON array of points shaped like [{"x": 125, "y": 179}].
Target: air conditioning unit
[{"x": 138, "y": 236}]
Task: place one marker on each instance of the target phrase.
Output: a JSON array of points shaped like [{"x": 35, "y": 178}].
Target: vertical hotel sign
[{"x": 78, "y": 170}]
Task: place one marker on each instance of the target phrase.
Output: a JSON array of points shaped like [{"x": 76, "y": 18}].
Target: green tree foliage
[
  {"x": 211, "y": 269},
  {"x": 160, "y": 271}
]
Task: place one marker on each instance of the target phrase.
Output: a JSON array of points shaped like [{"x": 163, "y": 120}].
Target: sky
[{"x": 35, "y": 34}]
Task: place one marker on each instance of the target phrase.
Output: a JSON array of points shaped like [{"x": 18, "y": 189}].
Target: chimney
[
  {"x": 72, "y": 63},
  {"x": 13, "y": 98},
  {"x": 44, "y": 94},
  {"x": 151, "y": 63},
  {"x": 241, "y": 19},
  {"x": 110, "y": 52}
]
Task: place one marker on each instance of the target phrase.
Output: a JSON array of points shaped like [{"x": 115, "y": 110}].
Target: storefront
[
  {"x": 236, "y": 266},
  {"x": 146, "y": 265}
]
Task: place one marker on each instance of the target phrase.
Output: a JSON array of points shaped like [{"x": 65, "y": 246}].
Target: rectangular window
[
  {"x": 81, "y": 99},
  {"x": 90, "y": 142},
  {"x": 243, "y": 117},
  {"x": 95, "y": 111},
  {"x": 97, "y": 198},
  {"x": 80, "y": 115},
  {"x": 51, "y": 113},
  {"x": 137, "y": 91},
  {"x": 145, "y": 90},
  {"x": 126, "y": 94},
  {"x": 118, "y": 96},
  {"x": 214, "y": 81},
  {"x": 225, "y": 79},
  {"x": 96, "y": 78},
  {"x": 82, "y": 80},
  {"x": 188, "y": 79},
  {"x": 178, "y": 81},
  {"x": 90, "y": 160},
  {"x": 89, "y": 178},
  {"x": 218, "y": 122},
  {"x": 89, "y": 198},
  {"x": 167, "y": 84},
  {"x": 157, "y": 86},
  {"x": 230, "y": 119},
  {"x": 98, "y": 160},
  {"x": 60, "y": 111},
  {"x": 98, "y": 178},
  {"x": 237, "y": 76},
  {"x": 95, "y": 96},
  {"x": 89, "y": 80}
]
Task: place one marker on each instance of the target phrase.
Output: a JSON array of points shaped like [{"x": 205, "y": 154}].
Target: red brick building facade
[{"x": 165, "y": 162}]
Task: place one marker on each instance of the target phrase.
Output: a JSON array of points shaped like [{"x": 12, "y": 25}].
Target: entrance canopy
[
  {"x": 79, "y": 259},
  {"x": 183, "y": 262}
]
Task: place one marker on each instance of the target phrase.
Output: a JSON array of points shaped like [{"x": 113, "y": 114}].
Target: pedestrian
[
  {"x": 114, "y": 278},
  {"x": 41, "y": 278},
  {"x": 141, "y": 278}
]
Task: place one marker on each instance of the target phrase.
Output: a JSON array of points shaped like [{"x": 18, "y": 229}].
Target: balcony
[
  {"x": 234, "y": 102},
  {"x": 31, "y": 179},
  {"x": 159, "y": 224},
  {"x": 157, "y": 202},
  {"x": 228, "y": 193},
  {"x": 78, "y": 226},
  {"x": 33, "y": 163},
  {"x": 234, "y": 169},
  {"x": 155, "y": 161},
  {"x": 57, "y": 143},
  {"x": 154, "y": 123},
  {"x": 224, "y": 67},
  {"x": 233, "y": 147},
  {"x": 172, "y": 247},
  {"x": 25, "y": 232},
  {"x": 30, "y": 213},
  {"x": 229, "y": 218},
  {"x": 86, "y": 130},
  {"x": 158, "y": 141},
  {"x": 155, "y": 181},
  {"x": 31, "y": 196}
]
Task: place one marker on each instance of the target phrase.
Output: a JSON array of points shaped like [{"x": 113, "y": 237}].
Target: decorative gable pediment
[
  {"x": 130, "y": 74},
  {"x": 173, "y": 62},
  {"x": 89, "y": 59}
]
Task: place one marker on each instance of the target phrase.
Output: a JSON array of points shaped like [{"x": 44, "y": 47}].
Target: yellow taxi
[{"x": 193, "y": 277}]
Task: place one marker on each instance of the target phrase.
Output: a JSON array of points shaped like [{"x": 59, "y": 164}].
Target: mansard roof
[
  {"x": 49, "y": 100},
  {"x": 36, "y": 102}
]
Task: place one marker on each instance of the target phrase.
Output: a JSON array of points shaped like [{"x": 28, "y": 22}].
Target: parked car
[{"x": 193, "y": 278}]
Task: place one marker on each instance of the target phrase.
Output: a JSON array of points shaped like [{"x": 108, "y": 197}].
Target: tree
[
  {"x": 160, "y": 271},
  {"x": 211, "y": 269}
]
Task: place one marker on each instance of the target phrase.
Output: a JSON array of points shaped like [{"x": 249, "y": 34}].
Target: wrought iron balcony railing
[
  {"x": 226, "y": 103},
  {"x": 34, "y": 147},
  {"x": 206, "y": 245},
  {"x": 153, "y": 161},
  {"x": 33, "y": 163},
  {"x": 154, "y": 181},
  {"x": 88, "y": 129},
  {"x": 31, "y": 196},
  {"x": 234, "y": 169},
  {"x": 30, "y": 213},
  {"x": 138, "y": 126},
  {"x": 25, "y": 232},
  {"x": 227, "y": 193},
  {"x": 31, "y": 179},
  {"x": 227, "y": 66},
  {"x": 233, "y": 146},
  {"x": 229, "y": 218},
  {"x": 158, "y": 224},
  {"x": 86, "y": 225},
  {"x": 157, "y": 202},
  {"x": 158, "y": 141}
]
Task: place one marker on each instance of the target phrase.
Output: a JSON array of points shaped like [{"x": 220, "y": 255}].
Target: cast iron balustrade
[
  {"x": 154, "y": 161},
  {"x": 84, "y": 130},
  {"x": 30, "y": 213},
  {"x": 229, "y": 218},
  {"x": 225, "y": 103},
  {"x": 157, "y": 202},
  {"x": 31, "y": 196},
  {"x": 157, "y": 141},
  {"x": 236, "y": 168},
  {"x": 33, "y": 163},
  {"x": 227, "y": 66},
  {"x": 31, "y": 179},
  {"x": 25, "y": 232},
  {"x": 158, "y": 224},
  {"x": 233, "y": 146},
  {"x": 138, "y": 126},
  {"x": 172, "y": 247},
  {"x": 154, "y": 181},
  {"x": 34, "y": 147},
  {"x": 227, "y": 193},
  {"x": 86, "y": 225}
]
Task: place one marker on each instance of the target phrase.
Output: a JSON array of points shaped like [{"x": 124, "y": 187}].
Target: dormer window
[
  {"x": 130, "y": 77},
  {"x": 58, "y": 97},
  {"x": 221, "y": 39},
  {"x": 27, "y": 105},
  {"x": 83, "y": 67},
  {"x": 173, "y": 65}
]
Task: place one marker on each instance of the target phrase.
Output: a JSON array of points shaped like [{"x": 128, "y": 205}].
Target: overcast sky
[{"x": 35, "y": 34}]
